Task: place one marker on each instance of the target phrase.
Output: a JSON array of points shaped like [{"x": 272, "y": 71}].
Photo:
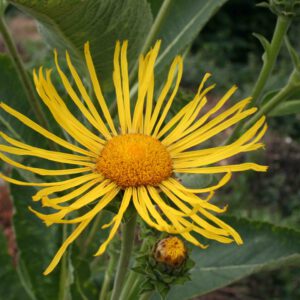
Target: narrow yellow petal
[
  {"x": 125, "y": 85},
  {"x": 117, "y": 220},
  {"x": 224, "y": 180},
  {"x": 44, "y": 171},
  {"x": 65, "y": 245},
  {"x": 97, "y": 89},
  {"x": 118, "y": 88},
  {"x": 86, "y": 98},
  {"x": 179, "y": 64},
  {"x": 28, "y": 122},
  {"x": 224, "y": 169},
  {"x": 65, "y": 185}
]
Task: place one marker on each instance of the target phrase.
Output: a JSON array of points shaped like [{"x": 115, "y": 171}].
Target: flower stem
[
  {"x": 128, "y": 233},
  {"x": 270, "y": 58},
  {"x": 134, "y": 278},
  {"x": 108, "y": 276},
  {"x": 280, "y": 31},
  {"x": 64, "y": 271},
  {"x": 25, "y": 81},
  {"x": 272, "y": 103}
]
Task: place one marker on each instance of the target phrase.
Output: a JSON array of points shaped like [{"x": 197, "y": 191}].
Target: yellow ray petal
[
  {"x": 65, "y": 185},
  {"x": 117, "y": 220},
  {"x": 224, "y": 169},
  {"x": 45, "y": 153},
  {"x": 53, "y": 202},
  {"x": 142, "y": 211},
  {"x": 199, "y": 137},
  {"x": 118, "y": 88},
  {"x": 176, "y": 67},
  {"x": 191, "y": 213},
  {"x": 144, "y": 85},
  {"x": 86, "y": 98},
  {"x": 65, "y": 245},
  {"x": 24, "y": 183},
  {"x": 166, "y": 109},
  {"x": 57, "y": 218},
  {"x": 97, "y": 89},
  {"x": 21, "y": 152},
  {"x": 76, "y": 100},
  {"x": 125, "y": 85},
  {"x": 28, "y": 122},
  {"x": 224, "y": 180},
  {"x": 61, "y": 113},
  {"x": 143, "y": 195},
  {"x": 191, "y": 198},
  {"x": 44, "y": 171}
]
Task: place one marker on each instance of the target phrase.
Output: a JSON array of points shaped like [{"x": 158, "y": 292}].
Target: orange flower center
[{"x": 134, "y": 160}]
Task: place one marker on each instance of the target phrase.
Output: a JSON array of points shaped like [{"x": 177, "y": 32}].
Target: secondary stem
[
  {"x": 128, "y": 233},
  {"x": 108, "y": 276},
  {"x": 280, "y": 31},
  {"x": 272, "y": 103},
  {"x": 64, "y": 273},
  {"x": 26, "y": 83},
  {"x": 133, "y": 279}
]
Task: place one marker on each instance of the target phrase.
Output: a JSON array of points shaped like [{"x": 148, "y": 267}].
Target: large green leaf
[
  {"x": 265, "y": 247},
  {"x": 68, "y": 24},
  {"x": 178, "y": 23},
  {"x": 37, "y": 245},
  {"x": 10, "y": 285}
]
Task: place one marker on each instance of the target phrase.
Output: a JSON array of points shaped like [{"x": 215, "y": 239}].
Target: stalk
[
  {"x": 128, "y": 233},
  {"x": 108, "y": 277},
  {"x": 271, "y": 55}
]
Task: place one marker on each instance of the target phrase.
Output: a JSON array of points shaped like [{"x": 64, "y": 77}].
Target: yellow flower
[{"x": 138, "y": 156}]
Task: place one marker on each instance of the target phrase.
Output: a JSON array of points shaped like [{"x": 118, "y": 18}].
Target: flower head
[{"x": 138, "y": 156}]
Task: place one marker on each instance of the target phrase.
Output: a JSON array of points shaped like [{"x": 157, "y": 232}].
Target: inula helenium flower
[{"x": 138, "y": 156}]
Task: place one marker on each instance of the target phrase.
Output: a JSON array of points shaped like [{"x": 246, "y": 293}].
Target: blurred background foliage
[{"x": 227, "y": 49}]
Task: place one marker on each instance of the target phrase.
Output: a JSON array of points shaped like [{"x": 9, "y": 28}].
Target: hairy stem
[{"x": 128, "y": 232}]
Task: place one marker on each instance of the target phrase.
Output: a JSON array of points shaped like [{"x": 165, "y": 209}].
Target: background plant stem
[
  {"x": 270, "y": 58},
  {"x": 128, "y": 232},
  {"x": 108, "y": 276}
]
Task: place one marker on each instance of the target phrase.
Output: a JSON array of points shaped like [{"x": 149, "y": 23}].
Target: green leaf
[
  {"x": 290, "y": 107},
  {"x": 37, "y": 245},
  {"x": 264, "y": 42},
  {"x": 68, "y": 24},
  {"x": 178, "y": 24},
  {"x": 265, "y": 247},
  {"x": 10, "y": 285}
]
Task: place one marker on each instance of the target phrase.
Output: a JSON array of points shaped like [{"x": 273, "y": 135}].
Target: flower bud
[
  {"x": 170, "y": 251},
  {"x": 286, "y": 8}
]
